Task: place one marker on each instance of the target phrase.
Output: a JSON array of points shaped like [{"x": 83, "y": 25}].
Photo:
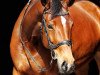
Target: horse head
[{"x": 56, "y": 36}]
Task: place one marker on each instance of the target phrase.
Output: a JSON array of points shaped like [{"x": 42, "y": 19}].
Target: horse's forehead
[
  {"x": 63, "y": 20},
  {"x": 57, "y": 20},
  {"x": 60, "y": 19}
]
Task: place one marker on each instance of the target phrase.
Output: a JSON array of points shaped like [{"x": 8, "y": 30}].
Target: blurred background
[{"x": 9, "y": 12}]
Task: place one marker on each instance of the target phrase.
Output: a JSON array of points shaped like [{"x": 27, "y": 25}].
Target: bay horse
[{"x": 41, "y": 39}]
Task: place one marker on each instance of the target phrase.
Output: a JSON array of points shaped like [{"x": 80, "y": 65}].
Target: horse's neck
[{"x": 33, "y": 14}]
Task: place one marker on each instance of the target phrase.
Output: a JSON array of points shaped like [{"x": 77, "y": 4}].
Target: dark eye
[{"x": 50, "y": 26}]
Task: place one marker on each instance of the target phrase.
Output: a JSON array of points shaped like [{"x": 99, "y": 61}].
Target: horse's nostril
[
  {"x": 73, "y": 67},
  {"x": 64, "y": 66}
]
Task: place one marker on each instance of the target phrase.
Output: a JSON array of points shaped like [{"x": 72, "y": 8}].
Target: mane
[{"x": 55, "y": 7}]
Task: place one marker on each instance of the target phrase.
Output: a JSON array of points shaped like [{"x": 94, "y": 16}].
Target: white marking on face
[{"x": 63, "y": 21}]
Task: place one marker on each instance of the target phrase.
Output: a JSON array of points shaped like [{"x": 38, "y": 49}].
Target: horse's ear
[
  {"x": 44, "y": 2},
  {"x": 70, "y": 3}
]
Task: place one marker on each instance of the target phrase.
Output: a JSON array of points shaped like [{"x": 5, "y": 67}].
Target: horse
[{"x": 52, "y": 40}]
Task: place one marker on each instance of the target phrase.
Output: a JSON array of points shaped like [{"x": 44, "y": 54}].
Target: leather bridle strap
[{"x": 65, "y": 42}]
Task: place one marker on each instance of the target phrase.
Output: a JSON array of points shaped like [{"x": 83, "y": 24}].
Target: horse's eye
[{"x": 50, "y": 26}]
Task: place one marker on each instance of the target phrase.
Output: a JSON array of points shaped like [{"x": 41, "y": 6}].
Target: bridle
[{"x": 51, "y": 46}]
